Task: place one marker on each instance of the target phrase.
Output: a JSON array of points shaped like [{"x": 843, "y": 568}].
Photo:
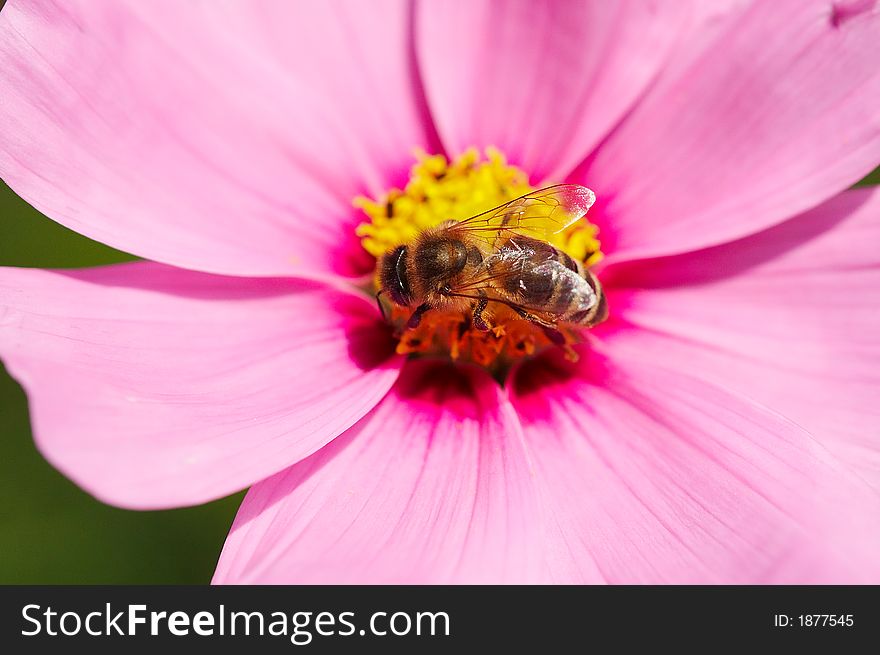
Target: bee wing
[
  {"x": 537, "y": 214},
  {"x": 513, "y": 271},
  {"x": 501, "y": 266}
]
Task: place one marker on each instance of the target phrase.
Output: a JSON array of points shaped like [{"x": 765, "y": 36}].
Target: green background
[{"x": 51, "y": 531}]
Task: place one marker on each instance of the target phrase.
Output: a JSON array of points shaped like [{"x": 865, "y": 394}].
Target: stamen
[{"x": 439, "y": 190}]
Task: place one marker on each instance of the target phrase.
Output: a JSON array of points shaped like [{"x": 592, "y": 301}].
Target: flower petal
[
  {"x": 655, "y": 477},
  {"x": 229, "y": 138},
  {"x": 542, "y": 81},
  {"x": 157, "y": 387},
  {"x": 431, "y": 487},
  {"x": 788, "y": 316},
  {"x": 777, "y": 115}
]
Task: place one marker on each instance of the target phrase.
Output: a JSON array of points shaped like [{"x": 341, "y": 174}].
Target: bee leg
[
  {"x": 416, "y": 317},
  {"x": 555, "y": 336},
  {"x": 381, "y": 306},
  {"x": 480, "y": 307},
  {"x": 537, "y": 320}
]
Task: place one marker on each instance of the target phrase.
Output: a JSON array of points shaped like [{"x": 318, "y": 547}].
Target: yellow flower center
[{"x": 439, "y": 190}]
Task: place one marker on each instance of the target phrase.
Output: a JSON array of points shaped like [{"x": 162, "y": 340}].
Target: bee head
[{"x": 394, "y": 276}]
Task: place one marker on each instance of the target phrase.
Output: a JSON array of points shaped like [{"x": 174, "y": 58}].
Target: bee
[{"x": 499, "y": 258}]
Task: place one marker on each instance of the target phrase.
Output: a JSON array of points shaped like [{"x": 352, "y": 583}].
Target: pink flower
[{"x": 721, "y": 426}]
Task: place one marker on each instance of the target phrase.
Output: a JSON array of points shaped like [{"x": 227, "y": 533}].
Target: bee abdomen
[
  {"x": 569, "y": 263},
  {"x": 577, "y": 296},
  {"x": 547, "y": 279},
  {"x": 597, "y": 309},
  {"x": 572, "y": 294}
]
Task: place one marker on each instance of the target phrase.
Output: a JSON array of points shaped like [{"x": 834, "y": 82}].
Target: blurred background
[{"x": 51, "y": 532}]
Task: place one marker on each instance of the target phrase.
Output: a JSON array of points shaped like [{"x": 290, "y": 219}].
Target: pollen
[{"x": 439, "y": 190}]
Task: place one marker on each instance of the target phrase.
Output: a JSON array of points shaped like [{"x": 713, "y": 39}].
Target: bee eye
[{"x": 394, "y": 276}]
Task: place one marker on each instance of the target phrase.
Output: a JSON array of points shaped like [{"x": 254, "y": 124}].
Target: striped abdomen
[{"x": 541, "y": 278}]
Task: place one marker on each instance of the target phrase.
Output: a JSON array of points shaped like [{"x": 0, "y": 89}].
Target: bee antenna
[{"x": 381, "y": 306}]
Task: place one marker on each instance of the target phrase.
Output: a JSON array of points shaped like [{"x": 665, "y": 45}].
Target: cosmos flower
[{"x": 720, "y": 426}]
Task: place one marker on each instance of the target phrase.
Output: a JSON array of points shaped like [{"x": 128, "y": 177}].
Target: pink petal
[
  {"x": 779, "y": 113},
  {"x": 157, "y": 387},
  {"x": 652, "y": 476},
  {"x": 431, "y": 487},
  {"x": 229, "y": 138},
  {"x": 543, "y": 81},
  {"x": 788, "y": 316}
]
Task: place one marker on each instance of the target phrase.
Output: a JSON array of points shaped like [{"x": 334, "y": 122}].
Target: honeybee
[{"x": 500, "y": 258}]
